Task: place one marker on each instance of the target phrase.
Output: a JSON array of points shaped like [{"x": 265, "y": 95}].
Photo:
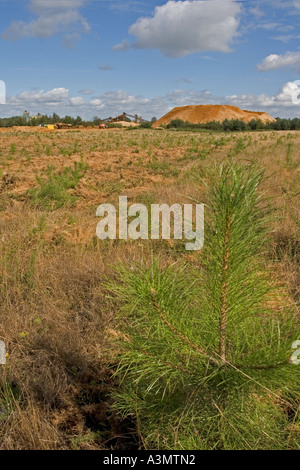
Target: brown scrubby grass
[{"x": 55, "y": 318}]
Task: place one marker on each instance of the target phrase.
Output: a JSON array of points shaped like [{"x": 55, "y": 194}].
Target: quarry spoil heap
[{"x": 208, "y": 112}]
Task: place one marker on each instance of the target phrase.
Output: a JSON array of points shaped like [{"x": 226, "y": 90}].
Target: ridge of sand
[
  {"x": 209, "y": 112},
  {"x": 126, "y": 123}
]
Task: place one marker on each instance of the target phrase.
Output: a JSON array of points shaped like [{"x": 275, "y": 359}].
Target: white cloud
[
  {"x": 257, "y": 12},
  {"x": 97, "y": 103},
  {"x": 53, "y": 17},
  {"x": 86, "y": 91},
  {"x": 114, "y": 103},
  {"x": 57, "y": 95},
  {"x": 269, "y": 26},
  {"x": 280, "y": 104},
  {"x": 123, "y": 46},
  {"x": 77, "y": 101},
  {"x": 179, "y": 28},
  {"x": 285, "y": 38},
  {"x": 276, "y": 61},
  {"x": 287, "y": 92},
  {"x": 120, "y": 6}
]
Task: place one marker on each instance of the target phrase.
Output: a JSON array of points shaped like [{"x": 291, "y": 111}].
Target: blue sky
[{"x": 103, "y": 57}]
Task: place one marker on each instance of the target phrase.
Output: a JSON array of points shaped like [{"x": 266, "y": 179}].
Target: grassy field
[{"x": 56, "y": 318}]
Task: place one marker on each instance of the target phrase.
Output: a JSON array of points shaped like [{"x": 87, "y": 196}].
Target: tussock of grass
[{"x": 52, "y": 192}]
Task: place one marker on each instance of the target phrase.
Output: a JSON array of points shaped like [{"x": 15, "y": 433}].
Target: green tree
[
  {"x": 145, "y": 125},
  {"x": 55, "y": 118},
  {"x": 68, "y": 120},
  {"x": 78, "y": 121},
  {"x": 177, "y": 123},
  {"x": 96, "y": 121}
]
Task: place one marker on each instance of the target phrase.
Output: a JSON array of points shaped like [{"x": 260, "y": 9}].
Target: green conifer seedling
[{"x": 205, "y": 362}]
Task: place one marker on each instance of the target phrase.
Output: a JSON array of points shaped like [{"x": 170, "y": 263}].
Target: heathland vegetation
[{"x": 123, "y": 344}]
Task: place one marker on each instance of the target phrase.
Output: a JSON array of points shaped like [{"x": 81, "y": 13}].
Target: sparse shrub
[
  {"x": 163, "y": 167},
  {"x": 176, "y": 124},
  {"x": 13, "y": 149},
  {"x": 195, "y": 154},
  {"x": 52, "y": 192},
  {"x": 145, "y": 125},
  {"x": 291, "y": 163}
]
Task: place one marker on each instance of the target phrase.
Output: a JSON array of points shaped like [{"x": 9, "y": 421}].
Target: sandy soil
[{"x": 207, "y": 113}]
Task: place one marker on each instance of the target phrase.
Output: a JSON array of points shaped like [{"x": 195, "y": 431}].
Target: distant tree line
[
  {"x": 235, "y": 125},
  {"x": 45, "y": 119},
  {"x": 228, "y": 125}
]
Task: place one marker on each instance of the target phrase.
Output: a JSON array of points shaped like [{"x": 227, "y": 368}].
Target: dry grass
[{"x": 55, "y": 317}]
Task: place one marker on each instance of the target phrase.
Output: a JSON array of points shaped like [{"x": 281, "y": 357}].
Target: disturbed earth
[{"x": 208, "y": 112}]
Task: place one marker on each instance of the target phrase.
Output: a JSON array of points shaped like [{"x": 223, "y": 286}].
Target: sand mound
[
  {"x": 126, "y": 123},
  {"x": 208, "y": 112}
]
